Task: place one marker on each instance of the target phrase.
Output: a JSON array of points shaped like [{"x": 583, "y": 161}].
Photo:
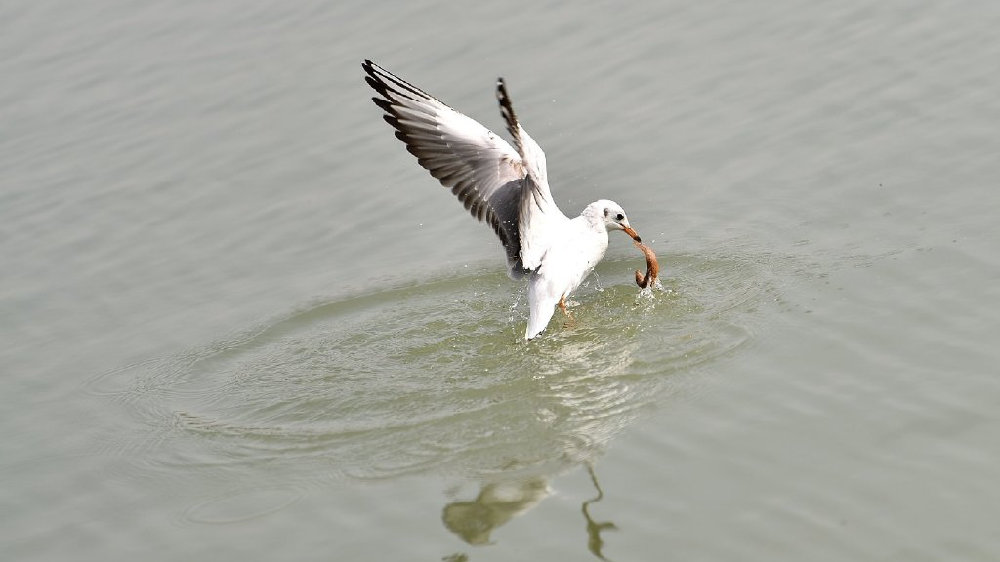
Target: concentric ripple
[{"x": 434, "y": 376}]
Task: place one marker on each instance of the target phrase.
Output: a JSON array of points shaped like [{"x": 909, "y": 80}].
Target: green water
[{"x": 237, "y": 321}]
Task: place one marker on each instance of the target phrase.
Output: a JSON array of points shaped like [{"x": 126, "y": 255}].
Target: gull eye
[{"x": 619, "y": 216}]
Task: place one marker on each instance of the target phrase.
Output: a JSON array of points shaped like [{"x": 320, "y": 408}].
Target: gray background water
[{"x": 237, "y": 321}]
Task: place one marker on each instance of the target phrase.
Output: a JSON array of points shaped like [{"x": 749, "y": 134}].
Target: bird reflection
[
  {"x": 594, "y": 541},
  {"x": 499, "y": 502},
  {"x": 496, "y": 504},
  {"x": 580, "y": 399}
]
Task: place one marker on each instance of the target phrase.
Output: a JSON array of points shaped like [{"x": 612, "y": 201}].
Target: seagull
[{"x": 505, "y": 186}]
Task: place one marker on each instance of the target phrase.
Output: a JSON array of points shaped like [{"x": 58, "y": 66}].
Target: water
[{"x": 238, "y": 321}]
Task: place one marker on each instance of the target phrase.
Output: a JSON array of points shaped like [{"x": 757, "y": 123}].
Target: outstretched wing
[
  {"x": 482, "y": 170},
  {"x": 538, "y": 214}
]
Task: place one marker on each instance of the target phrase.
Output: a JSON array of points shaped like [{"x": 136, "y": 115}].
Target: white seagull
[{"x": 505, "y": 187}]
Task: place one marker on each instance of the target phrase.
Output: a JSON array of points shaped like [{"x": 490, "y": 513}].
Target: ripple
[
  {"x": 434, "y": 376},
  {"x": 241, "y": 506}
]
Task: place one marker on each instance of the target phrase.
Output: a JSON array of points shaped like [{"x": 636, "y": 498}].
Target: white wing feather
[
  {"x": 482, "y": 170},
  {"x": 539, "y": 215}
]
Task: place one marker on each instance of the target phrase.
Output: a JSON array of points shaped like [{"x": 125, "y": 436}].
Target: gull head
[{"x": 614, "y": 217}]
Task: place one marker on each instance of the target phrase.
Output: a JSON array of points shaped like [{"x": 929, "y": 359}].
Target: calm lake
[{"x": 239, "y": 322}]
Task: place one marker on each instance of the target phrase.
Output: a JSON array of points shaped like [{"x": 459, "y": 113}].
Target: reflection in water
[
  {"x": 594, "y": 541},
  {"x": 431, "y": 378},
  {"x": 498, "y": 503}
]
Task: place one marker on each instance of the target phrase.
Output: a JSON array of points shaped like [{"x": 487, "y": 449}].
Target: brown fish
[{"x": 652, "y": 267}]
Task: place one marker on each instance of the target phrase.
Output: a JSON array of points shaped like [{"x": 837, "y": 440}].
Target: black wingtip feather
[
  {"x": 375, "y": 84},
  {"x": 507, "y": 111}
]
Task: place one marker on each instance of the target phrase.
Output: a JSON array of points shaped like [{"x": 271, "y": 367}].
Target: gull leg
[
  {"x": 570, "y": 321},
  {"x": 562, "y": 306}
]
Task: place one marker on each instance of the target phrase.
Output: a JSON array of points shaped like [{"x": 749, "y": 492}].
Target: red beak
[{"x": 631, "y": 232}]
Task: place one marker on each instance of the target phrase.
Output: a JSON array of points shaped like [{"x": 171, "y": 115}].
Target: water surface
[{"x": 238, "y": 321}]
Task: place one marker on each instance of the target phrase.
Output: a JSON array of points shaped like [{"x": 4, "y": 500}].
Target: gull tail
[{"x": 541, "y": 307}]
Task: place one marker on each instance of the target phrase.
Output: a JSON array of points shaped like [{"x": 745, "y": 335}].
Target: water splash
[{"x": 433, "y": 377}]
